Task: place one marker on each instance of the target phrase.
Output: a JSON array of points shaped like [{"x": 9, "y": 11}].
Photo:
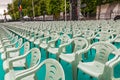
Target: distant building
[{"x": 108, "y": 11}]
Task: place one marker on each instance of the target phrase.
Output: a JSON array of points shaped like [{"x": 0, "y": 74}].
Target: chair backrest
[
  {"x": 103, "y": 50},
  {"x": 88, "y": 34},
  {"x": 77, "y": 33},
  {"x": 54, "y": 36},
  {"x": 46, "y": 33},
  {"x": 104, "y": 36},
  {"x": 80, "y": 43},
  {"x": 64, "y": 38},
  {"x": 26, "y": 47},
  {"x": 15, "y": 39},
  {"x": 40, "y": 34},
  {"x": 54, "y": 71},
  {"x": 35, "y": 56},
  {"x": 20, "y": 41}
]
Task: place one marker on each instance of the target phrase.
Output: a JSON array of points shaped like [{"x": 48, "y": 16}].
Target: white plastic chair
[
  {"x": 8, "y": 40},
  {"x": 54, "y": 71},
  {"x": 65, "y": 40},
  {"x": 45, "y": 43},
  {"x": 38, "y": 37},
  {"x": 19, "y": 63},
  {"x": 97, "y": 67},
  {"x": 77, "y": 33},
  {"x": 5, "y": 42},
  {"x": 89, "y": 35},
  {"x": 34, "y": 61},
  {"x": 109, "y": 72},
  {"x": 105, "y": 36},
  {"x": 9, "y": 48},
  {"x": 80, "y": 44}
]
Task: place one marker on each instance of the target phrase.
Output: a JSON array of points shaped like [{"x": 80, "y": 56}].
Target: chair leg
[
  {"x": 36, "y": 78},
  {"x": 74, "y": 71},
  {"x": 26, "y": 66},
  {"x": 47, "y": 53},
  {"x": 86, "y": 55}
]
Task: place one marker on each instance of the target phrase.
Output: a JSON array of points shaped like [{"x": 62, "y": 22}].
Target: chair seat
[
  {"x": 21, "y": 34},
  {"x": 20, "y": 63},
  {"x": 6, "y": 40},
  {"x": 14, "y": 54},
  {"x": 43, "y": 45},
  {"x": 92, "y": 68},
  {"x": 24, "y": 36},
  {"x": 28, "y": 37},
  {"x": 117, "y": 40},
  {"x": 1, "y": 45},
  {"x": 1, "y": 50},
  {"x": 68, "y": 57},
  {"x": 37, "y": 42},
  {"x": 10, "y": 48},
  {"x": 3, "y": 56},
  {"x": 31, "y": 39},
  {"x": 11, "y": 75},
  {"x": 53, "y": 50}
]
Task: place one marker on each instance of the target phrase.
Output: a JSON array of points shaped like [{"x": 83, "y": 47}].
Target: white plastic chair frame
[
  {"x": 35, "y": 61},
  {"x": 65, "y": 40},
  {"x": 6, "y": 62},
  {"x": 109, "y": 72},
  {"x": 97, "y": 67},
  {"x": 9, "y": 48},
  {"x": 80, "y": 45},
  {"x": 54, "y": 71},
  {"x": 105, "y": 36}
]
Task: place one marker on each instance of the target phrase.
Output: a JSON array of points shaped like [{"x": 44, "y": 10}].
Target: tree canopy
[{"x": 51, "y": 7}]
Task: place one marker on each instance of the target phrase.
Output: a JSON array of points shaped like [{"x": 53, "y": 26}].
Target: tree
[{"x": 53, "y": 7}]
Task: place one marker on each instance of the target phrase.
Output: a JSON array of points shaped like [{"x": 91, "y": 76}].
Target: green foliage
[{"x": 51, "y": 7}]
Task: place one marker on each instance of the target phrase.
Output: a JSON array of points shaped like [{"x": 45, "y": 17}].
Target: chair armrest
[
  {"x": 4, "y": 39},
  {"x": 18, "y": 58},
  {"x": 112, "y": 60},
  {"x": 113, "y": 64},
  {"x": 109, "y": 68},
  {"x": 38, "y": 36},
  {"x": 8, "y": 41},
  {"x": 65, "y": 44},
  {"x": 13, "y": 44},
  {"x": 43, "y": 39},
  {"x": 78, "y": 54},
  {"x": 28, "y": 72},
  {"x": 51, "y": 42},
  {"x": 62, "y": 46},
  {"x": 118, "y": 36},
  {"x": 9, "y": 51}
]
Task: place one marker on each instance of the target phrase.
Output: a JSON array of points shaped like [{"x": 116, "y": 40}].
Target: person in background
[{"x": 5, "y": 18}]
